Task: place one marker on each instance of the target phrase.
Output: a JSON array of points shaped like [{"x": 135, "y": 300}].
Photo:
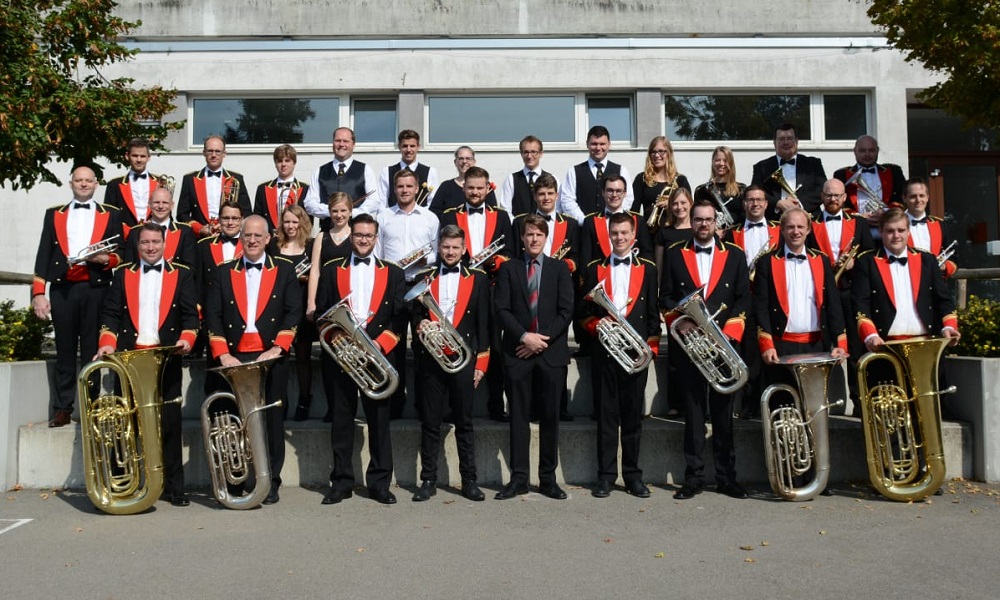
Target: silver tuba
[
  {"x": 620, "y": 339},
  {"x": 101, "y": 247},
  {"x": 707, "y": 346},
  {"x": 796, "y": 437},
  {"x": 355, "y": 352},
  {"x": 439, "y": 337},
  {"x": 235, "y": 443}
]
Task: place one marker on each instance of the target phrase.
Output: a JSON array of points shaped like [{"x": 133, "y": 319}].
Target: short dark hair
[
  {"x": 893, "y": 214},
  {"x": 363, "y": 219},
  {"x": 230, "y": 204},
  {"x": 451, "y": 232},
  {"x": 149, "y": 226},
  {"x": 477, "y": 173},
  {"x": 704, "y": 202},
  {"x": 286, "y": 151},
  {"x": 753, "y": 187},
  {"x": 547, "y": 181},
  {"x": 529, "y": 139},
  {"x": 786, "y": 126},
  {"x": 408, "y": 134},
  {"x": 915, "y": 181},
  {"x": 353, "y": 139},
  {"x": 598, "y": 131},
  {"x": 607, "y": 178},
  {"x": 535, "y": 221},
  {"x": 137, "y": 143},
  {"x": 621, "y": 217},
  {"x": 403, "y": 174}
]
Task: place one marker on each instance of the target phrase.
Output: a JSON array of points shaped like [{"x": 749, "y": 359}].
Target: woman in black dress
[
  {"x": 723, "y": 190},
  {"x": 659, "y": 174}
]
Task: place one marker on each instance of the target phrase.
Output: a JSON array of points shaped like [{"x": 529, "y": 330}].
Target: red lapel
[
  {"x": 126, "y": 190},
  {"x": 823, "y": 238},
  {"x": 59, "y": 221},
  {"x": 378, "y": 290},
  {"x": 201, "y": 194},
  {"x": 634, "y": 285},
  {"x": 268, "y": 275},
  {"x": 239, "y": 281},
  {"x": 934, "y": 230},
  {"x": 847, "y": 229},
  {"x": 885, "y": 176},
  {"x": 462, "y": 220},
  {"x": 718, "y": 264},
  {"x": 780, "y": 281},
  {"x": 558, "y": 233},
  {"x": 816, "y": 266},
  {"x": 344, "y": 279},
  {"x": 691, "y": 262},
  {"x": 170, "y": 277},
  {"x": 601, "y": 230},
  {"x": 271, "y": 198},
  {"x": 217, "y": 255},
  {"x": 464, "y": 294},
  {"x": 132, "y": 277},
  {"x": 173, "y": 240},
  {"x": 883, "y": 270},
  {"x": 491, "y": 225},
  {"x": 100, "y": 225},
  {"x": 738, "y": 237},
  {"x": 914, "y": 263},
  {"x": 773, "y": 235}
]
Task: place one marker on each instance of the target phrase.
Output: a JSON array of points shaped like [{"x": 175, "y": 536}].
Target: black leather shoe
[
  {"x": 60, "y": 419},
  {"x": 180, "y": 500},
  {"x": 552, "y": 490},
  {"x": 301, "y": 413},
  {"x": 826, "y": 492},
  {"x": 500, "y": 418},
  {"x": 336, "y": 495},
  {"x": 687, "y": 492},
  {"x": 637, "y": 488},
  {"x": 471, "y": 491},
  {"x": 602, "y": 489},
  {"x": 382, "y": 496},
  {"x": 272, "y": 496},
  {"x": 733, "y": 490},
  {"x": 566, "y": 417},
  {"x": 511, "y": 490},
  {"x": 425, "y": 491}
]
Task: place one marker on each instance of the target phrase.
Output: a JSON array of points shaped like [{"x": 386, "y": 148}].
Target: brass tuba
[
  {"x": 439, "y": 337},
  {"x": 796, "y": 437},
  {"x": 236, "y": 442},
  {"x": 122, "y": 446},
  {"x": 620, "y": 339},
  {"x": 889, "y": 409},
  {"x": 355, "y": 352},
  {"x": 707, "y": 347}
]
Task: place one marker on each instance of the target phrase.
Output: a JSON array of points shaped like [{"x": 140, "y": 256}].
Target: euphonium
[
  {"x": 796, "y": 437},
  {"x": 844, "y": 259},
  {"x": 122, "y": 445},
  {"x": 105, "y": 245},
  {"x": 439, "y": 336},
  {"x": 707, "y": 347},
  {"x": 486, "y": 253},
  {"x": 237, "y": 442},
  {"x": 874, "y": 202},
  {"x": 620, "y": 339},
  {"x": 355, "y": 352},
  {"x": 888, "y": 412},
  {"x": 779, "y": 177}
]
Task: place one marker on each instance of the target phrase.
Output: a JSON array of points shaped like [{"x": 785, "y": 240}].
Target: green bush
[
  {"x": 979, "y": 323},
  {"x": 21, "y": 333}
]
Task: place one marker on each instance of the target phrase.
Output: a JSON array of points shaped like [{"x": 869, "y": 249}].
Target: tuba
[
  {"x": 237, "y": 442},
  {"x": 439, "y": 337},
  {"x": 888, "y": 409},
  {"x": 122, "y": 446},
  {"x": 620, "y": 339},
  {"x": 707, "y": 346},
  {"x": 355, "y": 352},
  {"x": 796, "y": 437}
]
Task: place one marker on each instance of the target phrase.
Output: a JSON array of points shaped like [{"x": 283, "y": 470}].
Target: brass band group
[{"x": 764, "y": 288}]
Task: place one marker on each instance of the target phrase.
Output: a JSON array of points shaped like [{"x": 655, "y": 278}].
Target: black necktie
[
  {"x": 546, "y": 217},
  {"x": 250, "y": 265},
  {"x": 163, "y": 228},
  {"x": 358, "y": 260},
  {"x": 340, "y": 170},
  {"x": 81, "y": 205},
  {"x": 897, "y": 259},
  {"x": 922, "y": 221},
  {"x": 225, "y": 239},
  {"x": 623, "y": 261},
  {"x": 148, "y": 268},
  {"x": 832, "y": 217},
  {"x": 138, "y": 176},
  {"x": 868, "y": 169},
  {"x": 531, "y": 179},
  {"x": 786, "y": 161},
  {"x": 600, "y": 170},
  {"x": 752, "y": 225},
  {"x": 408, "y": 169},
  {"x": 792, "y": 255},
  {"x": 446, "y": 270},
  {"x": 705, "y": 249},
  {"x": 474, "y": 211},
  {"x": 214, "y": 174}
]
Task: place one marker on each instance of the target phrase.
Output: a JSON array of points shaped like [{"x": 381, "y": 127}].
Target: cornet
[
  {"x": 622, "y": 342},
  {"x": 411, "y": 259},
  {"x": 657, "y": 211},
  {"x": 843, "y": 260},
  {"x": 439, "y": 336},
  {"x": 101, "y": 247},
  {"x": 486, "y": 253},
  {"x": 355, "y": 351},
  {"x": 947, "y": 253}
]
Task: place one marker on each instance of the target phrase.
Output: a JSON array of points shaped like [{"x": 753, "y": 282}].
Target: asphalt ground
[{"x": 854, "y": 544}]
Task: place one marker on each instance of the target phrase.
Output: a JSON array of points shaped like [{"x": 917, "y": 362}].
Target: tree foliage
[
  {"x": 54, "y": 101},
  {"x": 959, "y": 38}
]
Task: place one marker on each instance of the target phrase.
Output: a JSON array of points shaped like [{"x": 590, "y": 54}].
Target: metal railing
[
  {"x": 9, "y": 277},
  {"x": 962, "y": 277}
]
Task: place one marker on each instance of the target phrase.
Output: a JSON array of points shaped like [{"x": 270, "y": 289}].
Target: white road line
[{"x": 13, "y": 523}]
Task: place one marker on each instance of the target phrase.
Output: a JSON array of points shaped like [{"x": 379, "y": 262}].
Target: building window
[
  {"x": 500, "y": 119},
  {"x": 845, "y": 116},
  {"x": 375, "y": 120},
  {"x": 735, "y": 117},
  {"x": 613, "y": 113},
  {"x": 266, "y": 120}
]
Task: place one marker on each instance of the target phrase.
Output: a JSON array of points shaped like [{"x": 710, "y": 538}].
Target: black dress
[
  {"x": 307, "y": 331},
  {"x": 734, "y": 204},
  {"x": 644, "y": 195},
  {"x": 666, "y": 236}
]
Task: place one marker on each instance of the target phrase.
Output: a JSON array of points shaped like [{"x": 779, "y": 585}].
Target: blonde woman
[
  {"x": 660, "y": 173},
  {"x": 722, "y": 189}
]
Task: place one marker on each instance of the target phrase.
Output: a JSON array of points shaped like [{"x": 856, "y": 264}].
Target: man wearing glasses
[
  {"x": 595, "y": 243},
  {"x": 203, "y": 191},
  {"x": 517, "y": 192},
  {"x": 803, "y": 174}
]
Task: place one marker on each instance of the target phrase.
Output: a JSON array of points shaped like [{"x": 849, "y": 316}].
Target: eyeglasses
[
  {"x": 611, "y": 192},
  {"x": 755, "y": 200},
  {"x": 530, "y": 152},
  {"x": 703, "y": 220},
  {"x": 831, "y": 196},
  {"x": 657, "y": 152},
  {"x": 363, "y": 236},
  {"x": 464, "y": 159}
]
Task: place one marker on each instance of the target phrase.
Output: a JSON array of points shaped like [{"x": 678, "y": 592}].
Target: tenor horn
[
  {"x": 902, "y": 419},
  {"x": 122, "y": 445},
  {"x": 779, "y": 177},
  {"x": 796, "y": 436},
  {"x": 874, "y": 202},
  {"x": 622, "y": 342},
  {"x": 343, "y": 338},
  {"x": 706, "y": 345},
  {"x": 236, "y": 440},
  {"x": 439, "y": 336}
]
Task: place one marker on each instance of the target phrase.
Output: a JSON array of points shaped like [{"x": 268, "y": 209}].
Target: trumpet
[
  {"x": 874, "y": 202},
  {"x": 947, "y": 253},
  {"x": 486, "y": 253},
  {"x": 236, "y": 440},
  {"x": 707, "y": 346},
  {"x": 657, "y": 211},
  {"x": 411, "y": 259},
  {"x": 779, "y": 177},
  {"x": 101, "y": 247},
  {"x": 303, "y": 267},
  {"x": 796, "y": 437},
  {"x": 724, "y": 219},
  {"x": 355, "y": 351},
  {"x": 843, "y": 260},
  {"x": 622, "y": 342},
  {"x": 562, "y": 250},
  {"x": 439, "y": 336}
]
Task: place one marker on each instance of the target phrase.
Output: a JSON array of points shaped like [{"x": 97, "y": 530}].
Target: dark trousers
[
  {"x": 170, "y": 427},
  {"x": 747, "y": 398},
  {"x": 526, "y": 380},
  {"x": 695, "y": 392},
  {"x": 854, "y": 346},
  {"x": 495, "y": 379},
  {"x": 276, "y": 388},
  {"x": 442, "y": 392},
  {"x": 344, "y": 408},
  {"x": 622, "y": 398},
  {"x": 401, "y": 325},
  {"x": 76, "y": 311}
]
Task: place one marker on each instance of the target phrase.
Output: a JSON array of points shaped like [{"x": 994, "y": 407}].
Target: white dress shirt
[
  {"x": 448, "y": 294},
  {"x": 803, "y": 317},
  {"x": 140, "y": 193},
  {"x": 229, "y": 250},
  {"x": 834, "y": 229},
  {"x": 704, "y": 260},
  {"x": 920, "y": 236},
  {"x": 80, "y": 226},
  {"x": 620, "y": 279},
  {"x": 150, "y": 289},
  {"x": 754, "y": 239},
  {"x": 401, "y": 232},
  {"x": 907, "y": 322},
  {"x": 362, "y": 284},
  {"x": 253, "y": 292},
  {"x": 318, "y": 207},
  {"x": 567, "y": 194},
  {"x": 213, "y": 193},
  {"x": 433, "y": 181},
  {"x": 477, "y": 229}
]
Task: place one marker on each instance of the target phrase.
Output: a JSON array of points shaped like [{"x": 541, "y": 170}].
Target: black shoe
[
  {"x": 471, "y": 491},
  {"x": 425, "y": 491},
  {"x": 637, "y": 488},
  {"x": 301, "y": 413},
  {"x": 328, "y": 417},
  {"x": 602, "y": 489},
  {"x": 939, "y": 492},
  {"x": 733, "y": 490},
  {"x": 382, "y": 496},
  {"x": 511, "y": 490},
  {"x": 272, "y": 496},
  {"x": 60, "y": 419},
  {"x": 687, "y": 492},
  {"x": 500, "y": 418},
  {"x": 552, "y": 490},
  {"x": 334, "y": 496},
  {"x": 826, "y": 492},
  {"x": 179, "y": 500},
  {"x": 566, "y": 417}
]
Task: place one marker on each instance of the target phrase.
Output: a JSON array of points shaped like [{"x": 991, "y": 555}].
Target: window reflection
[
  {"x": 486, "y": 119},
  {"x": 267, "y": 120},
  {"x": 732, "y": 117}
]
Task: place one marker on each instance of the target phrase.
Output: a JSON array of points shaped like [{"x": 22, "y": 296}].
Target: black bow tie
[
  {"x": 225, "y": 239},
  {"x": 922, "y": 221},
  {"x": 546, "y": 217},
  {"x": 284, "y": 184},
  {"x": 250, "y": 265},
  {"x": 786, "y": 161},
  {"x": 213, "y": 174},
  {"x": 367, "y": 260},
  {"x": 897, "y": 259},
  {"x": 833, "y": 217},
  {"x": 792, "y": 255},
  {"x": 148, "y": 268},
  {"x": 867, "y": 169},
  {"x": 84, "y": 205},
  {"x": 446, "y": 270},
  {"x": 752, "y": 225},
  {"x": 474, "y": 211},
  {"x": 705, "y": 249},
  {"x": 623, "y": 261},
  {"x": 138, "y": 176}
]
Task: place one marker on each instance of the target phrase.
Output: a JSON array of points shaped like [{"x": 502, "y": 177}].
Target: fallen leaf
[
  {"x": 659, "y": 555},
  {"x": 764, "y": 543},
  {"x": 78, "y": 529},
  {"x": 16, "y": 488},
  {"x": 974, "y": 511},
  {"x": 448, "y": 502},
  {"x": 609, "y": 540},
  {"x": 360, "y": 550},
  {"x": 746, "y": 547},
  {"x": 44, "y": 496},
  {"x": 748, "y": 559},
  {"x": 822, "y": 532}
]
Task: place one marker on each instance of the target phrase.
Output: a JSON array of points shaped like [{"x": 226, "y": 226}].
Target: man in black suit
[
  {"x": 516, "y": 194},
  {"x": 78, "y": 288},
  {"x": 375, "y": 289},
  {"x": 534, "y": 302},
  {"x": 595, "y": 243},
  {"x": 342, "y": 174},
  {"x": 581, "y": 193},
  {"x": 721, "y": 269},
  {"x": 203, "y": 191},
  {"x": 274, "y": 195},
  {"x": 462, "y": 296},
  {"x": 152, "y": 302},
  {"x": 803, "y": 174},
  {"x": 885, "y": 181},
  {"x": 630, "y": 284},
  {"x": 132, "y": 192},
  {"x": 253, "y": 310},
  {"x": 179, "y": 246}
]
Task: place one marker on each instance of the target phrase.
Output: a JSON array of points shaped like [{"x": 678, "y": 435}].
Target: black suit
[
  {"x": 809, "y": 174},
  {"x": 566, "y": 230},
  {"x": 265, "y": 201},
  {"x": 890, "y": 176},
  {"x": 118, "y": 193},
  {"x": 729, "y": 286},
  {"x": 595, "y": 242},
  {"x": 192, "y": 204},
  {"x": 180, "y": 246},
  {"x": 334, "y": 285},
  {"x": 542, "y": 376}
]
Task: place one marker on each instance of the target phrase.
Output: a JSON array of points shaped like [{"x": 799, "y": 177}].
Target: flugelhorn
[
  {"x": 122, "y": 445},
  {"x": 657, "y": 211},
  {"x": 874, "y": 201},
  {"x": 946, "y": 254},
  {"x": 486, "y": 253},
  {"x": 707, "y": 347},
  {"x": 622, "y": 342},
  {"x": 343, "y": 338},
  {"x": 439, "y": 336},
  {"x": 844, "y": 259},
  {"x": 796, "y": 436},
  {"x": 235, "y": 434},
  {"x": 779, "y": 177},
  {"x": 101, "y": 247},
  {"x": 896, "y": 447}
]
